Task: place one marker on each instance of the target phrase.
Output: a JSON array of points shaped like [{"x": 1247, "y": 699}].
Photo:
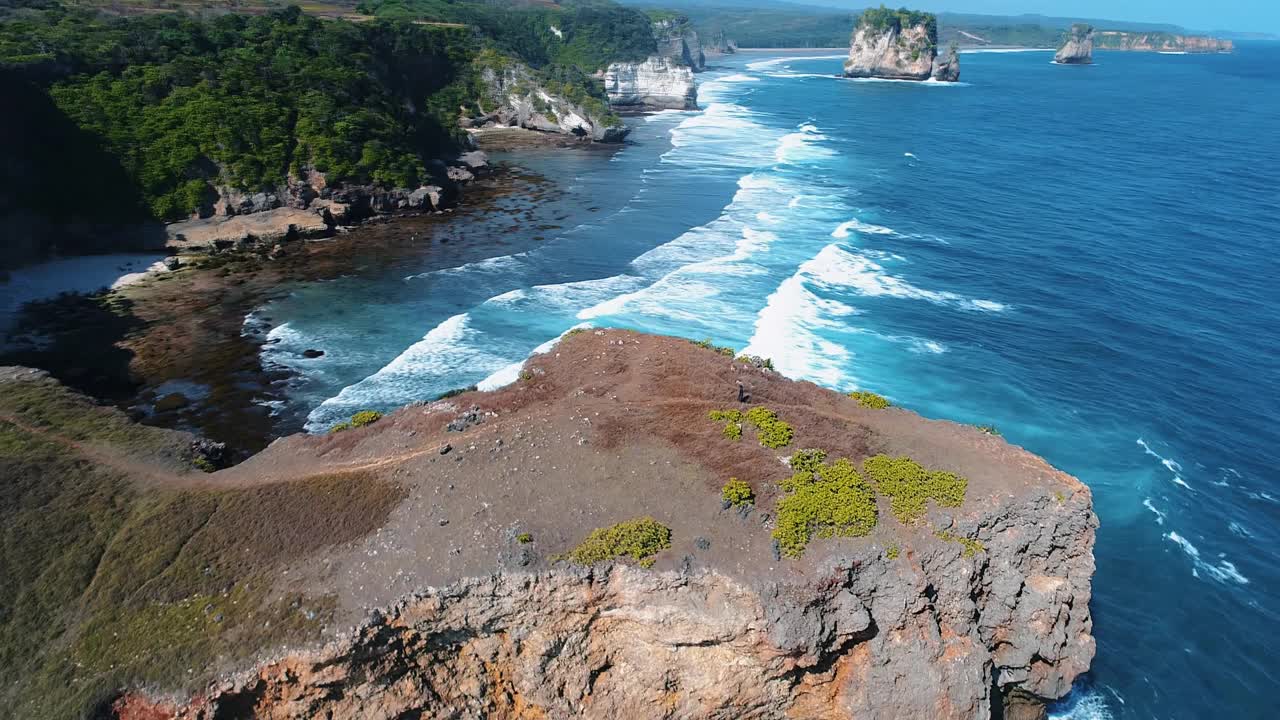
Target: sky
[{"x": 1238, "y": 15}]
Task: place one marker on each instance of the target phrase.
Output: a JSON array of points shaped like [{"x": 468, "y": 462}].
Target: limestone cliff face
[
  {"x": 1162, "y": 42},
  {"x": 934, "y": 633},
  {"x": 896, "y": 52},
  {"x": 678, "y": 41},
  {"x": 657, "y": 83},
  {"x": 520, "y": 100},
  {"x": 1078, "y": 47}
]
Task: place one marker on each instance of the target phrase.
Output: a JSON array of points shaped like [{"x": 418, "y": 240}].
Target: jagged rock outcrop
[
  {"x": 1077, "y": 49},
  {"x": 520, "y": 99},
  {"x": 897, "y": 45},
  {"x": 947, "y": 67},
  {"x": 1161, "y": 42},
  {"x": 720, "y": 44},
  {"x": 658, "y": 83},
  {"x": 678, "y": 41}
]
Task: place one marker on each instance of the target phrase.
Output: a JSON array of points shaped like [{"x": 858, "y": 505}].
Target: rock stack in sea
[
  {"x": 899, "y": 45},
  {"x": 1078, "y": 48}
]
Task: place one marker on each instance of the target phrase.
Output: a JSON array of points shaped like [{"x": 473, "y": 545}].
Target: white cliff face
[
  {"x": 656, "y": 83},
  {"x": 891, "y": 54},
  {"x": 522, "y": 102}
]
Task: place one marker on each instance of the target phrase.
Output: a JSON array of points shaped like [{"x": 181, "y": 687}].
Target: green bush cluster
[
  {"x": 989, "y": 429},
  {"x": 807, "y": 460},
  {"x": 737, "y": 492},
  {"x": 772, "y": 431},
  {"x": 708, "y": 344},
  {"x": 971, "y": 546},
  {"x": 884, "y": 18},
  {"x": 832, "y": 501},
  {"x": 868, "y": 399},
  {"x": 359, "y": 420},
  {"x": 910, "y": 486},
  {"x": 756, "y": 361},
  {"x": 892, "y": 552},
  {"x": 638, "y": 539},
  {"x": 732, "y": 420},
  {"x": 524, "y": 538}
]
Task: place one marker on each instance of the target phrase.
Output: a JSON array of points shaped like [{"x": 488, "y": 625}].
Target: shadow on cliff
[{"x": 61, "y": 191}]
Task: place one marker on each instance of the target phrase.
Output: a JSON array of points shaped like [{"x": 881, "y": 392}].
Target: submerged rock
[{"x": 1078, "y": 47}]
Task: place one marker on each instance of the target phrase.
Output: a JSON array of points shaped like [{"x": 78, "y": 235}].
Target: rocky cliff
[
  {"x": 678, "y": 41},
  {"x": 1161, "y": 42},
  {"x": 655, "y": 84},
  {"x": 946, "y": 68},
  {"x": 519, "y": 97},
  {"x": 897, "y": 45},
  {"x": 1077, "y": 49},
  {"x": 430, "y": 565}
]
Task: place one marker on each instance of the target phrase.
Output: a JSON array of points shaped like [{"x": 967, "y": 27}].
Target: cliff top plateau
[{"x": 638, "y": 526}]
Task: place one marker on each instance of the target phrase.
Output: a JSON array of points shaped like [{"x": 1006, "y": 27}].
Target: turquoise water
[{"x": 1083, "y": 257}]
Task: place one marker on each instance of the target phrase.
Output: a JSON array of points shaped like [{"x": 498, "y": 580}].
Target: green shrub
[
  {"x": 524, "y": 538},
  {"x": 756, "y": 361},
  {"x": 736, "y": 492},
  {"x": 870, "y": 400},
  {"x": 732, "y": 420},
  {"x": 773, "y": 432},
  {"x": 638, "y": 539},
  {"x": 344, "y": 425},
  {"x": 365, "y": 417},
  {"x": 525, "y": 375},
  {"x": 807, "y": 460},
  {"x": 892, "y": 552},
  {"x": 988, "y": 429},
  {"x": 909, "y": 486},
  {"x": 971, "y": 547},
  {"x": 202, "y": 464},
  {"x": 833, "y": 501}
]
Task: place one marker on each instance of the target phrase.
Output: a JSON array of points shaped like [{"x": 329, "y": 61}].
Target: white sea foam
[
  {"x": 842, "y": 230},
  {"x": 1223, "y": 571},
  {"x": 1083, "y": 705},
  {"x": 1159, "y": 515},
  {"x": 922, "y": 83},
  {"x": 910, "y": 155},
  {"x": 802, "y": 146},
  {"x": 1239, "y": 529},
  {"x": 501, "y": 263},
  {"x": 736, "y": 78},
  {"x": 446, "y": 350},
  {"x": 785, "y": 332},
  {"x": 769, "y": 218},
  {"x": 841, "y": 268},
  {"x": 772, "y": 62},
  {"x": 1171, "y": 465}
]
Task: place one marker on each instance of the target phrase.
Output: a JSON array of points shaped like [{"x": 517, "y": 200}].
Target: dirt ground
[{"x": 608, "y": 426}]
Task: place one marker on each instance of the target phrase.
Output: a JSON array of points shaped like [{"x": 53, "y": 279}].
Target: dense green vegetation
[
  {"x": 909, "y": 486},
  {"x": 640, "y": 539},
  {"x": 829, "y": 501},
  {"x": 771, "y": 430},
  {"x": 589, "y": 37},
  {"x": 883, "y": 18},
  {"x": 183, "y": 103}
]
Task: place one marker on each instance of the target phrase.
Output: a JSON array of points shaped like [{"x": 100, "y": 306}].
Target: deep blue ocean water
[{"x": 1083, "y": 256}]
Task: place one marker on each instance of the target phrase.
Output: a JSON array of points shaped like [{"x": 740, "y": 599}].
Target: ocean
[{"x": 1083, "y": 257}]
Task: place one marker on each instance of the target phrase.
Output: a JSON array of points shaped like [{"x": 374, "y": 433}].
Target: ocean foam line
[
  {"x": 1171, "y": 465},
  {"x": 1224, "y": 571},
  {"x": 499, "y": 262},
  {"x": 785, "y": 333},
  {"x": 840, "y": 268},
  {"x": 761, "y": 64},
  {"x": 1159, "y": 515},
  {"x": 1083, "y": 704},
  {"x": 842, "y": 230},
  {"x": 922, "y": 83}
]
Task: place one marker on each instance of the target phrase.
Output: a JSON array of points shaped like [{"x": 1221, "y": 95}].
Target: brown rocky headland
[{"x": 430, "y": 563}]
